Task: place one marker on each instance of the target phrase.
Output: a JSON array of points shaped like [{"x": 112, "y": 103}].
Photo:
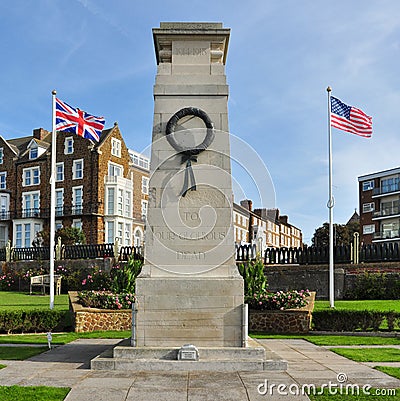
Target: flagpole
[
  {"x": 52, "y": 199},
  {"x": 330, "y": 205}
]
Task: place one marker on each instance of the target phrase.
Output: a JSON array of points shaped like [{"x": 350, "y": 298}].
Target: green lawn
[
  {"x": 360, "y": 397},
  {"x": 16, "y": 393},
  {"x": 389, "y": 370},
  {"x": 20, "y": 353},
  {"x": 60, "y": 338},
  {"x": 332, "y": 339},
  {"x": 23, "y": 301},
  {"x": 370, "y": 354},
  {"x": 378, "y": 305},
  {"x": 2, "y": 366}
]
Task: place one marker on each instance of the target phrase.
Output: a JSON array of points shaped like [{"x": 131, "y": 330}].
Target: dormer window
[{"x": 33, "y": 152}]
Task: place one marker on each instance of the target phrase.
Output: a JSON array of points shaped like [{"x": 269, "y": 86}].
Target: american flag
[
  {"x": 78, "y": 122},
  {"x": 350, "y": 119}
]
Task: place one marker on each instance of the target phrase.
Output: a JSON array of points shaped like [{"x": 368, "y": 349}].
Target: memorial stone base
[{"x": 178, "y": 311}]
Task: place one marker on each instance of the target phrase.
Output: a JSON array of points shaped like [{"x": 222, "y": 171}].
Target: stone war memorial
[{"x": 190, "y": 305}]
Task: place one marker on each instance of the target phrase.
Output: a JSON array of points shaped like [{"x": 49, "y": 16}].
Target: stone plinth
[{"x": 204, "y": 312}]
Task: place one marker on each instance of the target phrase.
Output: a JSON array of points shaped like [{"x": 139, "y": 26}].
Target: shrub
[
  {"x": 8, "y": 282},
  {"x": 105, "y": 300},
  {"x": 351, "y": 320},
  {"x": 370, "y": 285},
  {"x": 123, "y": 277},
  {"x": 255, "y": 281},
  {"x": 33, "y": 321},
  {"x": 280, "y": 300}
]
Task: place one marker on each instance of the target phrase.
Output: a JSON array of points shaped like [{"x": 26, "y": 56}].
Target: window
[
  {"x": 1, "y": 155},
  {"x": 59, "y": 225},
  {"x": 110, "y": 231},
  {"x": 110, "y": 200},
  {"x": 389, "y": 208},
  {"x": 390, "y": 185},
  {"x": 69, "y": 146},
  {"x": 120, "y": 201},
  {"x": 4, "y": 206},
  {"x": 115, "y": 147},
  {"x": 77, "y": 169},
  {"x": 367, "y": 185},
  {"x": 33, "y": 152},
  {"x": 3, "y": 235},
  {"x": 30, "y": 204},
  {"x": 368, "y": 207},
  {"x": 144, "y": 209},
  {"x": 114, "y": 170},
  {"x": 77, "y": 200},
  {"x": 60, "y": 171},
  {"x": 128, "y": 207},
  {"x": 145, "y": 185},
  {"x": 18, "y": 235},
  {"x": 77, "y": 223},
  {"x": 27, "y": 232},
  {"x": 369, "y": 229},
  {"x": 3, "y": 180},
  {"x": 127, "y": 236},
  {"x": 30, "y": 176},
  {"x": 59, "y": 201},
  {"x": 120, "y": 229}
]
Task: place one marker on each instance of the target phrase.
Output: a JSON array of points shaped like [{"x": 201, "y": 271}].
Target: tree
[
  {"x": 69, "y": 236},
  {"x": 342, "y": 234}
]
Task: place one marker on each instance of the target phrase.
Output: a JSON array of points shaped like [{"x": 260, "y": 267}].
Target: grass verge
[
  {"x": 373, "y": 305},
  {"x": 11, "y": 301},
  {"x": 20, "y": 353},
  {"x": 369, "y": 354},
  {"x": 322, "y": 340},
  {"x": 2, "y": 366},
  {"x": 60, "y": 338},
  {"x": 389, "y": 370},
  {"x": 381, "y": 394},
  {"x": 16, "y": 393}
]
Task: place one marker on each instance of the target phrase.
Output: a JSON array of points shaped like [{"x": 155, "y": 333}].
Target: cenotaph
[{"x": 190, "y": 290}]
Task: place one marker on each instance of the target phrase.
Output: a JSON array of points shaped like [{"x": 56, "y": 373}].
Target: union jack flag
[{"x": 78, "y": 122}]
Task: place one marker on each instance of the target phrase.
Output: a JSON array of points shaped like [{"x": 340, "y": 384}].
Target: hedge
[
  {"x": 34, "y": 321},
  {"x": 351, "y": 320}
]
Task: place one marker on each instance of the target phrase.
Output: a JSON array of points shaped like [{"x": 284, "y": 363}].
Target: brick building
[
  {"x": 265, "y": 225},
  {"x": 379, "y": 196},
  {"x": 98, "y": 187}
]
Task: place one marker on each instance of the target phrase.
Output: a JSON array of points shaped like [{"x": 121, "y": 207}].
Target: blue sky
[{"x": 282, "y": 55}]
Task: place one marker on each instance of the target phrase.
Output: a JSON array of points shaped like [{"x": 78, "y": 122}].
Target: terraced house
[{"x": 98, "y": 187}]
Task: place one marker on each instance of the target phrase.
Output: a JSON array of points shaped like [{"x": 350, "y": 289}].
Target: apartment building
[
  {"x": 379, "y": 197},
  {"x": 264, "y": 226},
  {"x": 98, "y": 187}
]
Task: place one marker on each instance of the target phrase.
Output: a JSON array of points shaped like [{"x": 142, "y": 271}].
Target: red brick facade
[{"x": 96, "y": 186}]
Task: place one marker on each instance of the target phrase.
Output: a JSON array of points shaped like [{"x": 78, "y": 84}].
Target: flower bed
[
  {"x": 87, "y": 319},
  {"x": 296, "y": 320}
]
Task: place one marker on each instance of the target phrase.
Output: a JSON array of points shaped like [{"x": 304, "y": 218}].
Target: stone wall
[
  {"x": 291, "y": 321},
  {"x": 316, "y": 277},
  {"x": 92, "y": 319}
]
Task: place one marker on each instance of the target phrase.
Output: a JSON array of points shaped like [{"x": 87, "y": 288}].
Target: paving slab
[{"x": 67, "y": 366}]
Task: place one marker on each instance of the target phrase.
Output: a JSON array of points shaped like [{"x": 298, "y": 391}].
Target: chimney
[
  {"x": 40, "y": 133},
  {"x": 247, "y": 204}
]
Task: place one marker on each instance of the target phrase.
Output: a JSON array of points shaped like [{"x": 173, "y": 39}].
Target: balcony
[
  {"x": 386, "y": 235},
  {"x": 389, "y": 189},
  {"x": 44, "y": 213},
  {"x": 387, "y": 212},
  {"x": 117, "y": 180}
]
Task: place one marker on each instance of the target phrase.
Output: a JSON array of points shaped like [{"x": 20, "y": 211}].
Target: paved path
[{"x": 68, "y": 366}]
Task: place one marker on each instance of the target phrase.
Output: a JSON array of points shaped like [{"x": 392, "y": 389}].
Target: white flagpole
[
  {"x": 331, "y": 204},
  {"x": 52, "y": 201}
]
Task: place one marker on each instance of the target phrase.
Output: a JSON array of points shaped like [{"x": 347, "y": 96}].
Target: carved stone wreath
[{"x": 189, "y": 153}]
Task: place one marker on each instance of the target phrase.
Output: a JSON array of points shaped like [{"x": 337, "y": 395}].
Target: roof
[{"x": 379, "y": 174}]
